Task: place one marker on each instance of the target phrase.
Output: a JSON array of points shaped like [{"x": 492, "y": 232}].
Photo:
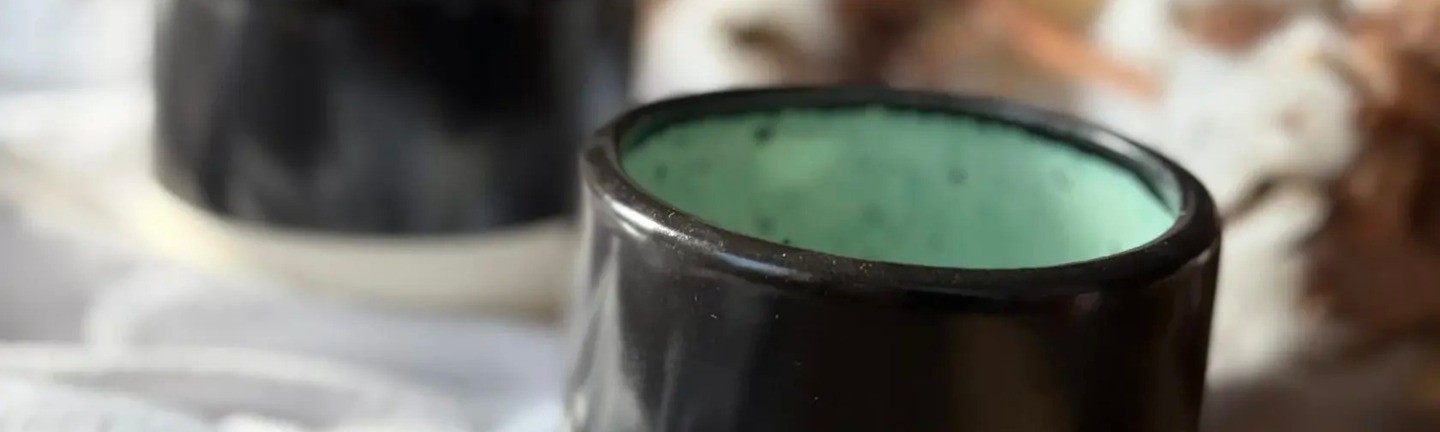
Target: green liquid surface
[{"x": 899, "y": 186}]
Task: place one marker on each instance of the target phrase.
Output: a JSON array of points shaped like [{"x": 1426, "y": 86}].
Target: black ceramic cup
[{"x": 882, "y": 260}]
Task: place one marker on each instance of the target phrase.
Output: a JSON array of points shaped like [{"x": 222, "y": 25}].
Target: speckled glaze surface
[{"x": 684, "y": 326}]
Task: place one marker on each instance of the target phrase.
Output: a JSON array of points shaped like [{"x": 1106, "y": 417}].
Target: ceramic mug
[
  {"x": 873, "y": 259},
  {"x": 384, "y": 117},
  {"x": 414, "y": 153}
]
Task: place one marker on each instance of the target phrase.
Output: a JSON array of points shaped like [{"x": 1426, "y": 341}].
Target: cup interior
[{"x": 898, "y": 185}]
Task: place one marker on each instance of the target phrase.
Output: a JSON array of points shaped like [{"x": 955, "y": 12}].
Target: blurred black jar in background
[
  {"x": 414, "y": 153},
  {"x": 384, "y": 116}
]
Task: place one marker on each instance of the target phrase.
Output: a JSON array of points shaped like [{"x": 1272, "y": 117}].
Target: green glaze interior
[{"x": 901, "y": 186}]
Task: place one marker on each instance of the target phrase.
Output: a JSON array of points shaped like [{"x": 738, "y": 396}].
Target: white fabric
[
  {"x": 28, "y": 405},
  {"x": 97, "y": 317}
]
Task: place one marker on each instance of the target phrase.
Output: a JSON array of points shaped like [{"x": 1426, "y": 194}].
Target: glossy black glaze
[
  {"x": 385, "y": 116},
  {"x": 686, "y": 327}
]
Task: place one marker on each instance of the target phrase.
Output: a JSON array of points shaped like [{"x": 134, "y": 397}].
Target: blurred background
[{"x": 282, "y": 215}]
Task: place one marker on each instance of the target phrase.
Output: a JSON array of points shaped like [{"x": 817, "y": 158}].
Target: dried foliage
[{"x": 1376, "y": 262}]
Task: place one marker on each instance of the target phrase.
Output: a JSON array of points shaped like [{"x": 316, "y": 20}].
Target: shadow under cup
[{"x": 866, "y": 259}]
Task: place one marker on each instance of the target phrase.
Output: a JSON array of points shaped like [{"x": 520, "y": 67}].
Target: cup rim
[{"x": 1195, "y": 231}]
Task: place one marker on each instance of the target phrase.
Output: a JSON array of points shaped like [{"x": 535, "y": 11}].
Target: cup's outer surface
[{"x": 685, "y": 327}]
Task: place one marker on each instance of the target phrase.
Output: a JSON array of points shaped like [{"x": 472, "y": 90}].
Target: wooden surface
[{"x": 1393, "y": 390}]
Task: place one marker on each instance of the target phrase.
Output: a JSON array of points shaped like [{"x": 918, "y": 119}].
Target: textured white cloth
[
  {"x": 29, "y": 405},
  {"x": 98, "y": 318},
  {"x": 159, "y": 331}
]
